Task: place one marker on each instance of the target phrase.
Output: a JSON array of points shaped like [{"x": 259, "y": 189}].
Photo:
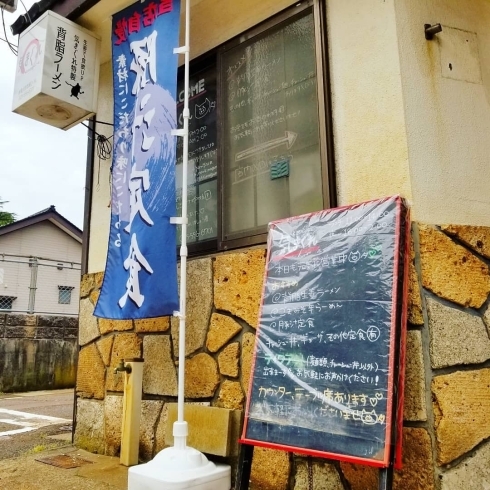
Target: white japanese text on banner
[{"x": 140, "y": 279}]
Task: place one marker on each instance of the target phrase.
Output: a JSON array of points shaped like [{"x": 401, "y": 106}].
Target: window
[
  {"x": 6, "y": 302},
  {"x": 64, "y": 295},
  {"x": 202, "y": 174},
  {"x": 258, "y": 132}
]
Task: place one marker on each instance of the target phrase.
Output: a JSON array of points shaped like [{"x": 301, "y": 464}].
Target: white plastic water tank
[{"x": 177, "y": 469}]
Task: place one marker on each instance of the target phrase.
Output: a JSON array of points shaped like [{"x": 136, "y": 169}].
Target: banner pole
[
  {"x": 180, "y": 429},
  {"x": 181, "y": 466}
]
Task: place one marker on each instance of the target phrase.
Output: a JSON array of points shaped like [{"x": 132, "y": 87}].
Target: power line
[
  {"x": 8, "y": 42},
  {"x": 11, "y": 46}
]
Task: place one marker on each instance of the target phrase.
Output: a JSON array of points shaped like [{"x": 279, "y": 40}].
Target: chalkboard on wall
[
  {"x": 202, "y": 175},
  {"x": 327, "y": 354}
]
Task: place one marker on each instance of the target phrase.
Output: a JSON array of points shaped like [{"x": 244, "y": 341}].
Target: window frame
[
  {"x": 214, "y": 58},
  {"x": 262, "y": 30},
  {"x": 7, "y": 298},
  {"x": 64, "y": 289},
  {"x": 204, "y": 62}
]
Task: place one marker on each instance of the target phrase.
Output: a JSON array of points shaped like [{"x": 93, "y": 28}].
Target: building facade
[
  {"x": 39, "y": 299},
  {"x": 40, "y": 265},
  {"x": 354, "y": 103}
]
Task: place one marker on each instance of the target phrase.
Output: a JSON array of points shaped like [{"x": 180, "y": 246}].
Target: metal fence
[{"x": 36, "y": 285}]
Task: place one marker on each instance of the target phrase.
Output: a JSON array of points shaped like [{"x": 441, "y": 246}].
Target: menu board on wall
[
  {"x": 330, "y": 339},
  {"x": 202, "y": 198}
]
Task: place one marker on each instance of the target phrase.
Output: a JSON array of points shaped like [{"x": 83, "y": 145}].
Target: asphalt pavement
[{"x": 34, "y": 421}]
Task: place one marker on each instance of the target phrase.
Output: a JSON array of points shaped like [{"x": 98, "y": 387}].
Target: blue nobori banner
[{"x": 140, "y": 279}]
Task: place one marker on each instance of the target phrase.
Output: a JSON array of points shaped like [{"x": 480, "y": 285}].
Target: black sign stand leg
[
  {"x": 244, "y": 467},
  {"x": 386, "y": 478}
]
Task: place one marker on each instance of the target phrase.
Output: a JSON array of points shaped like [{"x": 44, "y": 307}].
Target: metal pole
[
  {"x": 33, "y": 285},
  {"x": 28, "y": 262},
  {"x": 87, "y": 215},
  {"x": 180, "y": 427},
  {"x": 244, "y": 467},
  {"x": 386, "y": 478}
]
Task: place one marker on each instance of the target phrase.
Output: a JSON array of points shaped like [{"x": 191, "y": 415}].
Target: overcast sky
[{"x": 39, "y": 165}]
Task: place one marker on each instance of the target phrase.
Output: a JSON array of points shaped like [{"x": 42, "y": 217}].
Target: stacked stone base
[{"x": 446, "y": 436}]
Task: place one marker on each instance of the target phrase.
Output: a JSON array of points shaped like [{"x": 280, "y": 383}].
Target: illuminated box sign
[{"x": 57, "y": 72}]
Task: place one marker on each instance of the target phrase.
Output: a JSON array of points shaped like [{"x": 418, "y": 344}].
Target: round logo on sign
[{"x": 31, "y": 56}]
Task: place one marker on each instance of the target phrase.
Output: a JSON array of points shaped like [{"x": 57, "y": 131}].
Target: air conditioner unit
[
  {"x": 57, "y": 75},
  {"x": 9, "y": 5}
]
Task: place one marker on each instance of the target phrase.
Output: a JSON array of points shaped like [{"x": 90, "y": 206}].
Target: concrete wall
[
  {"x": 447, "y": 108},
  {"x": 37, "y": 352}
]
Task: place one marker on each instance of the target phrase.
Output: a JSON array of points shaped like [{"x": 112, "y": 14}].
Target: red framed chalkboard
[{"x": 327, "y": 376}]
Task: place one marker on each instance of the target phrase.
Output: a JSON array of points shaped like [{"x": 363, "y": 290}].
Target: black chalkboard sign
[
  {"x": 202, "y": 198},
  {"x": 327, "y": 350}
]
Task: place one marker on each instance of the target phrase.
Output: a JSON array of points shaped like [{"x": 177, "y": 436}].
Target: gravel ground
[{"x": 32, "y": 442}]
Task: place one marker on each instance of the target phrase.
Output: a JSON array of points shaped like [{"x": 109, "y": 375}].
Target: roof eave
[
  {"x": 50, "y": 215},
  {"x": 71, "y": 9}
]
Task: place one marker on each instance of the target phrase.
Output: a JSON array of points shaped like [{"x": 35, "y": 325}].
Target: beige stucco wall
[
  {"x": 368, "y": 115},
  {"x": 399, "y": 127},
  {"x": 212, "y": 21},
  {"x": 369, "y": 121},
  {"x": 447, "y": 119},
  {"x": 101, "y": 195}
]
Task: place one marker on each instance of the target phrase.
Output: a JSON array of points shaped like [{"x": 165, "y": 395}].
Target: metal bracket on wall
[{"x": 431, "y": 31}]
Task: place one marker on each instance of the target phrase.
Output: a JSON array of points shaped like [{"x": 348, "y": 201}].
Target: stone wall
[
  {"x": 223, "y": 298},
  {"x": 446, "y": 443},
  {"x": 37, "y": 352}
]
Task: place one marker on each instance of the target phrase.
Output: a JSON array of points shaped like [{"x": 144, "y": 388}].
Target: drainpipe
[
  {"x": 89, "y": 175},
  {"x": 33, "y": 286}
]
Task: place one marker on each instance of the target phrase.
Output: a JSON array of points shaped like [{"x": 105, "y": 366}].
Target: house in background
[
  {"x": 377, "y": 107},
  {"x": 39, "y": 302},
  {"x": 40, "y": 265}
]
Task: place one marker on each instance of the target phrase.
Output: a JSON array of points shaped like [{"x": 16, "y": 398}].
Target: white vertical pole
[
  {"x": 181, "y": 465},
  {"x": 180, "y": 429}
]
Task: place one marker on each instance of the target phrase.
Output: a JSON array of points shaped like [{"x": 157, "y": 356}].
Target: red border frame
[
  {"x": 403, "y": 344},
  {"x": 385, "y": 462}
]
